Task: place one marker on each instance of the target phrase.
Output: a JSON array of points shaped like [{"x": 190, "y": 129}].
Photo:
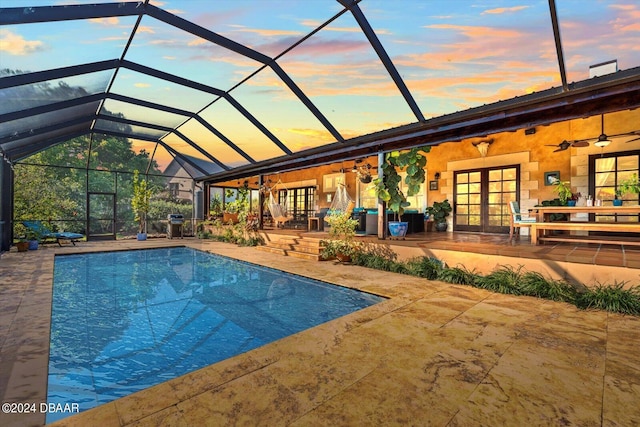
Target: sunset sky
[{"x": 452, "y": 55}]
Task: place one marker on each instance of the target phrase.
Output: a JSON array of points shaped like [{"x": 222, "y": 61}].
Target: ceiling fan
[
  {"x": 634, "y": 133},
  {"x": 602, "y": 141},
  {"x": 566, "y": 144}
]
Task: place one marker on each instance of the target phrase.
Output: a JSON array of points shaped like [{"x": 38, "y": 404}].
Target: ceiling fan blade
[
  {"x": 560, "y": 149},
  {"x": 580, "y": 144},
  {"x": 634, "y": 139}
]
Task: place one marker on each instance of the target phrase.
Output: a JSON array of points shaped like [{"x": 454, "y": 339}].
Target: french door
[
  {"x": 301, "y": 202},
  {"x": 482, "y": 196}
]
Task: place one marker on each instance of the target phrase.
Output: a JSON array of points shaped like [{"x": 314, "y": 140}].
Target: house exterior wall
[
  {"x": 185, "y": 184},
  {"x": 535, "y": 153}
]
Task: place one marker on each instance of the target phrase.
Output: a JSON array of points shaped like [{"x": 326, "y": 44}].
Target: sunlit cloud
[
  {"x": 15, "y": 44},
  {"x": 314, "y": 24},
  {"x": 265, "y": 32},
  {"x": 502, "y": 10},
  {"x": 319, "y": 47},
  {"x": 479, "y": 32},
  {"x": 114, "y": 38},
  {"x": 143, "y": 85},
  {"x": 350, "y": 30},
  {"x": 108, "y": 21},
  {"x": 169, "y": 58},
  {"x": 313, "y": 133},
  {"x": 198, "y": 42},
  {"x": 145, "y": 29}
]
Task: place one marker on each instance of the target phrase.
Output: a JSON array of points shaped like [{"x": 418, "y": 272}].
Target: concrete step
[
  {"x": 304, "y": 255},
  {"x": 294, "y": 246},
  {"x": 272, "y": 250}
]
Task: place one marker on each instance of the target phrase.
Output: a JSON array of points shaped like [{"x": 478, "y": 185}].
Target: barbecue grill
[{"x": 174, "y": 225}]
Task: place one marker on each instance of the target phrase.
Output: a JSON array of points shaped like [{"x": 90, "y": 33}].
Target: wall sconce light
[
  {"x": 483, "y": 146},
  {"x": 437, "y": 175}
]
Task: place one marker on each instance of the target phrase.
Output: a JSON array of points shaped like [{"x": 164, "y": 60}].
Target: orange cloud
[
  {"x": 265, "y": 32},
  {"x": 313, "y": 133},
  {"x": 502, "y": 10},
  {"x": 145, "y": 29},
  {"x": 110, "y": 21},
  {"x": 15, "y": 44}
]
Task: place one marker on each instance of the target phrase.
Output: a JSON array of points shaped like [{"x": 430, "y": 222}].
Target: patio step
[{"x": 294, "y": 246}]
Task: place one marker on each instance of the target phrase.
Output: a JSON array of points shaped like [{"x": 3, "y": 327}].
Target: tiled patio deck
[{"x": 432, "y": 354}]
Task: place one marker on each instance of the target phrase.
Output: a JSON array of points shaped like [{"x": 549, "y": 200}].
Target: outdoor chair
[
  {"x": 41, "y": 230},
  {"x": 517, "y": 219}
]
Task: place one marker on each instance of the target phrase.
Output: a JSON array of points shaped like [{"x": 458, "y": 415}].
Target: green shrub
[
  {"x": 459, "y": 276},
  {"x": 612, "y": 298},
  {"x": 505, "y": 280},
  {"x": 427, "y": 267},
  {"x": 535, "y": 284},
  {"x": 378, "y": 257}
]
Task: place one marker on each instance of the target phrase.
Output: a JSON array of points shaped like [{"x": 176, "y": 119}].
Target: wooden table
[
  {"x": 544, "y": 211},
  {"x": 542, "y": 224}
]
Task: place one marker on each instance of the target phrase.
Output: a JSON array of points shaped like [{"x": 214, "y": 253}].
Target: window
[
  {"x": 607, "y": 171},
  {"x": 174, "y": 189}
]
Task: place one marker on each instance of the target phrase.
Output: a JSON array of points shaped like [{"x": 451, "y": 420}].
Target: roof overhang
[{"x": 606, "y": 94}]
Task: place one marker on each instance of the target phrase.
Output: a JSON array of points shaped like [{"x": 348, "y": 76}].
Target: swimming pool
[{"x": 124, "y": 321}]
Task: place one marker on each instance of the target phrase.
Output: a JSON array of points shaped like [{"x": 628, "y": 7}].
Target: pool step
[{"x": 294, "y": 246}]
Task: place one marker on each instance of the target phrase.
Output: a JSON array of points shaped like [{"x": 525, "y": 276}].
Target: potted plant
[
  {"x": 628, "y": 186},
  {"x": 563, "y": 188},
  {"x": 236, "y": 210},
  {"x": 341, "y": 245},
  {"x": 387, "y": 188},
  {"x": 140, "y": 202},
  {"x": 573, "y": 200},
  {"x": 33, "y": 238},
  {"x": 215, "y": 210},
  {"x": 20, "y": 232},
  {"x": 439, "y": 213}
]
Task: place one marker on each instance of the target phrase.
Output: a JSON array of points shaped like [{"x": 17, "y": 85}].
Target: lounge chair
[{"x": 41, "y": 230}]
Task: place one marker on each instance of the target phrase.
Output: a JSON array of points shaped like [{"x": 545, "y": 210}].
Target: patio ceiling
[{"x": 249, "y": 87}]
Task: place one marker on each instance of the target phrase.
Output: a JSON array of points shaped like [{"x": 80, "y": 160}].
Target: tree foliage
[{"x": 52, "y": 184}]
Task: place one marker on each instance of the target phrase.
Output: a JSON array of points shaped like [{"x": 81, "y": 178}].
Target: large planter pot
[
  {"x": 343, "y": 258},
  {"x": 441, "y": 226},
  {"x": 22, "y": 246},
  {"x": 142, "y": 236},
  {"x": 230, "y": 217},
  {"x": 33, "y": 245},
  {"x": 398, "y": 229}
]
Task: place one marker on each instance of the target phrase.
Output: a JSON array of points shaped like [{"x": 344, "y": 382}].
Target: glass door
[
  {"x": 102, "y": 216},
  {"x": 482, "y": 197}
]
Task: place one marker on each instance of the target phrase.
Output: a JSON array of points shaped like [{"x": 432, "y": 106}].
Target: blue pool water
[{"x": 124, "y": 321}]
